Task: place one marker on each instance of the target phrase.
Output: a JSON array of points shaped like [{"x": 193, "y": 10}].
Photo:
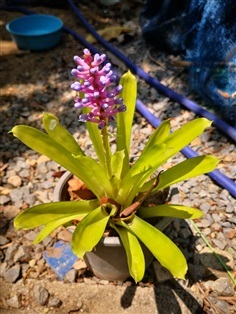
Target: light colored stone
[
  {"x": 3, "y": 269},
  {"x": 32, "y": 263},
  {"x": 3, "y": 240},
  {"x": 42, "y": 159},
  {"x": 15, "y": 181},
  {"x": 210, "y": 264},
  {"x": 14, "y": 302},
  {"x": 4, "y": 199},
  {"x": 222, "y": 286},
  {"x": 221, "y": 305},
  {"x": 79, "y": 264},
  {"x": 54, "y": 301},
  {"x": 11, "y": 211},
  {"x": 70, "y": 276},
  {"x": 31, "y": 236},
  {"x": 23, "y": 254},
  {"x": 41, "y": 294},
  {"x": 161, "y": 273},
  {"x": 10, "y": 252},
  {"x": 13, "y": 273},
  {"x": 65, "y": 235}
]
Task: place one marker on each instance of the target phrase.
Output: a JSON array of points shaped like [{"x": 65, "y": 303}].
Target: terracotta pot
[{"x": 108, "y": 259}]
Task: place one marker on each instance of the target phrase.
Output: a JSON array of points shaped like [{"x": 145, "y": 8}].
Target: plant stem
[
  {"x": 213, "y": 251},
  {"x": 107, "y": 149}
]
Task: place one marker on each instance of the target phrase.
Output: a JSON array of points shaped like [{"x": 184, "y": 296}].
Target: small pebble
[
  {"x": 41, "y": 294},
  {"x": 3, "y": 240},
  {"x": 161, "y": 273},
  {"x": 13, "y": 273},
  {"x": 222, "y": 287},
  {"x": 70, "y": 276},
  {"x": 15, "y": 181},
  {"x": 205, "y": 207},
  {"x": 204, "y": 223},
  {"x": 54, "y": 301},
  {"x": 4, "y": 199},
  {"x": 14, "y": 302}
]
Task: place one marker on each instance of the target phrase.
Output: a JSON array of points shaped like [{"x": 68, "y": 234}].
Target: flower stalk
[{"x": 107, "y": 149}]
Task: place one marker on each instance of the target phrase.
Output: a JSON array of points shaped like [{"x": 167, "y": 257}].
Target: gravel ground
[{"x": 36, "y": 82}]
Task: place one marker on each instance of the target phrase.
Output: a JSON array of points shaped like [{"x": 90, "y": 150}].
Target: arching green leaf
[
  {"x": 125, "y": 119},
  {"x": 45, "y": 213},
  {"x": 159, "y": 135},
  {"x": 90, "y": 230},
  {"x": 134, "y": 252},
  {"x": 152, "y": 158},
  {"x": 85, "y": 168},
  {"x": 186, "y": 169},
  {"x": 59, "y": 134},
  {"x": 164, "y": 250},
  {"x": 169, "y": 210}
]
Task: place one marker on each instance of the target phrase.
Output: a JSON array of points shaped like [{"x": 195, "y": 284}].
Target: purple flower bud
[
  {"x": 96, "y": 94},
  {"x": 80, "y": 68},
  {"x": 85, "y": 101},
  {"x": 76, "y": 86},
  {"x": 118, "y": 101},
  {"x": 87, "y": 84},
  {"x": 83, "y": 118},
  {"x": 78, "y": 105},
  {"x": 101, "y": 124},
  {"x": 112, "y": 78},
  {"x": 118, "y": 89},
  {"x": 76, "y": 58},
  {"x": 94, "y": 70},
  {"x": 86, "y": 52},
  {"x": 74, "y": 72},
  {"x": 105, "y": 106},
  {"x": 122, "y": 108},
  {"x": 110, "y": 95}
]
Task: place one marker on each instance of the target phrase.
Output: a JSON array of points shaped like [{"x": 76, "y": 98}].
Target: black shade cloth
[{"x": 205, "y": 33}]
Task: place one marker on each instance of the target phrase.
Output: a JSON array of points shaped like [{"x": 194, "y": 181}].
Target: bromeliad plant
[{"x": 120, "y": 188}]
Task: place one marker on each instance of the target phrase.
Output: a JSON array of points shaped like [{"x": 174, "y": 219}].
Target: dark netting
[{"x": 205, "y": 32}]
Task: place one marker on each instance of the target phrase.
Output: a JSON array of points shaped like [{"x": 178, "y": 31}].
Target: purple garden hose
[{"x": 216, "y": 175}]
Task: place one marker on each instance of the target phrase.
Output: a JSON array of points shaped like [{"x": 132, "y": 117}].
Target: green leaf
[
  {"x": 156, "y": 155},
  {"x": 140, "y": 172},
  {"x": 170, "y": 210},
  {"x": 116, "y": 163},
  {"x": 188, "y": 132},
  {"x": 125, "y": 119},
  {"x": 159, "y": 135},
  {"x": 164, "y": 250},
  {"x": 95, "y": 174},
  {"x": 134, "y": 252},
  {"x": 96, "y": 138},
  {"x": 85, "y": 168},
  {"x": 59, "y": 134},
  {"x": 186, "y": 169},
  {"x": 50, "y": 227},
  {"x": 90, "y": 230},
  {"x": 45, "y": 213}
]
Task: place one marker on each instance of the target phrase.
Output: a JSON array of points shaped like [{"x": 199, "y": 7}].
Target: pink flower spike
[{"x": 98, "y": 87}]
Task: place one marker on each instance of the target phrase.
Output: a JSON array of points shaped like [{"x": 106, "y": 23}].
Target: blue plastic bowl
[{"x": 35, "y": 32}]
